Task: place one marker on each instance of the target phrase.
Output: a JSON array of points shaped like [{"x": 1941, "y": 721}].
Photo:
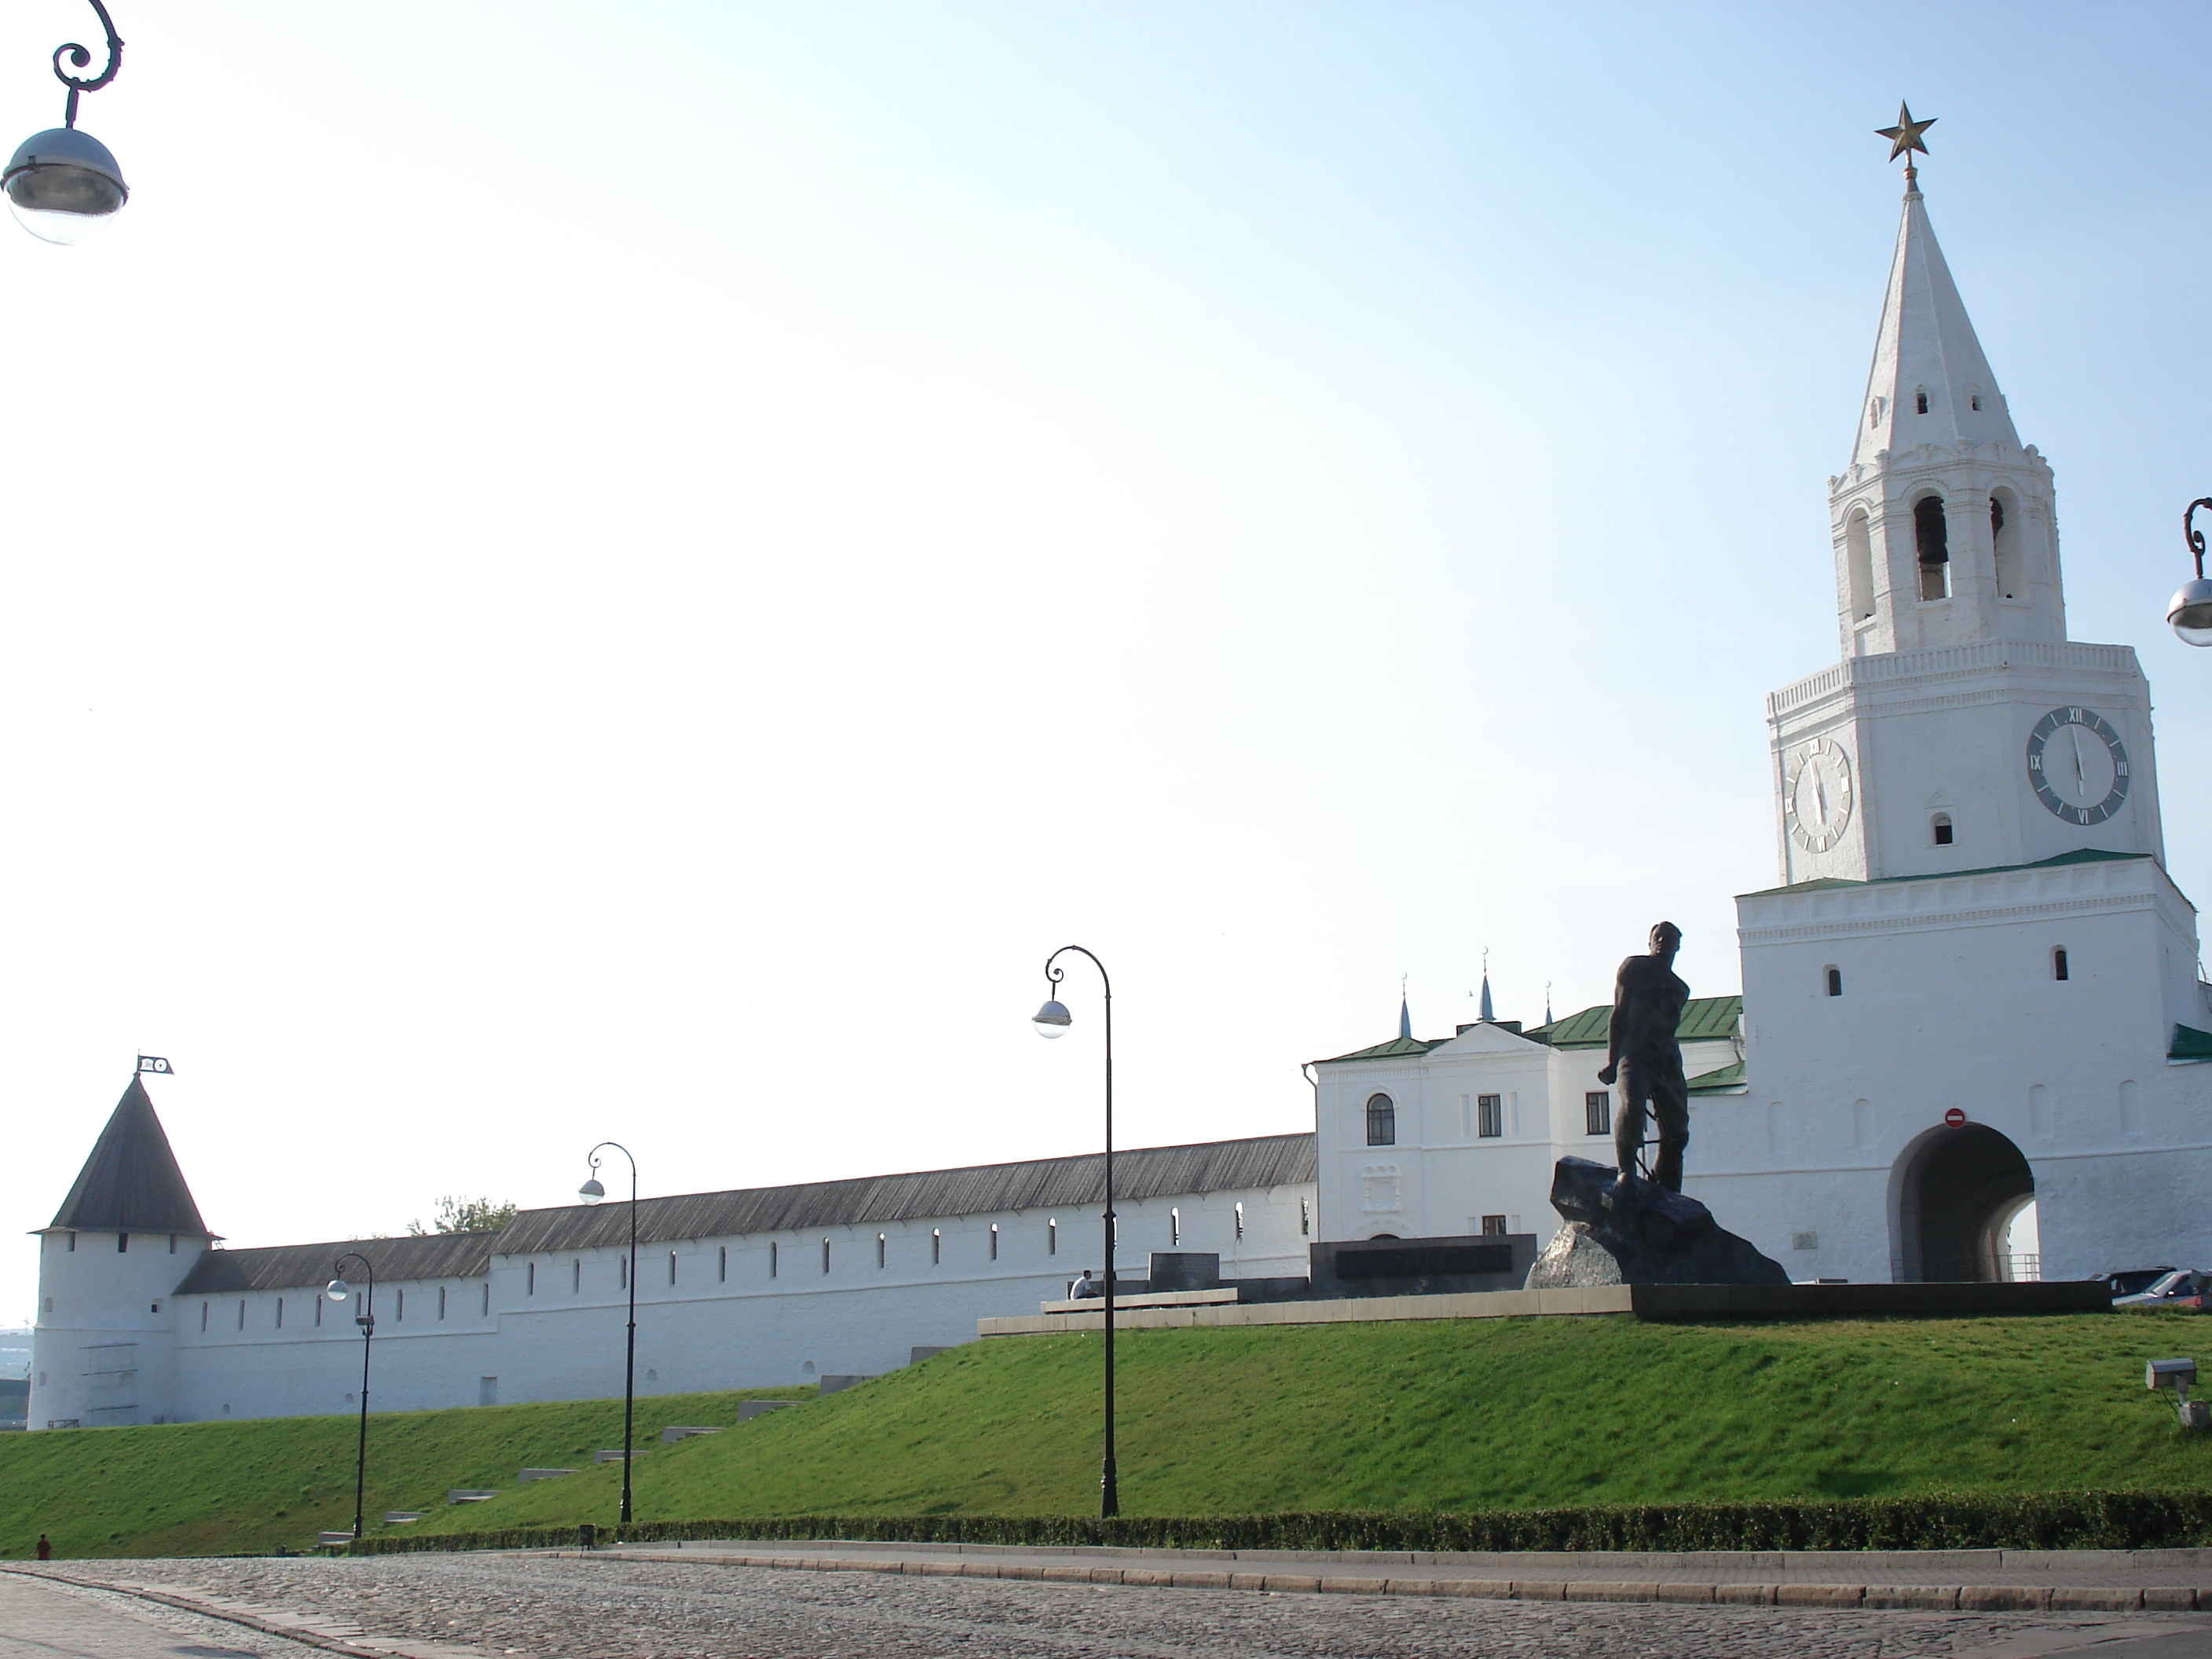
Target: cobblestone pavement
[
  {"x": 43, "y": 1620},
  {"x": 549, "y": 1607}
]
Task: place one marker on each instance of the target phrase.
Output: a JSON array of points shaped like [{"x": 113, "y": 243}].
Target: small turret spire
[
  {"x": 1485, "y": 1011},
  {"x": 1405, "y": 1014}
]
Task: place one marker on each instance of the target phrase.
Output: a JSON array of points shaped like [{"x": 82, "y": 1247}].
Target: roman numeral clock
[
  {"x": 1816, "y": 794},
  {"x": 2077, "y": 765}
]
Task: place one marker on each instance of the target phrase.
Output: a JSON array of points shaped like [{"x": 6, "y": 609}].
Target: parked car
[
  {"x": 2182, "y": 1288},
  {"x": 2134, "y": 1281}
]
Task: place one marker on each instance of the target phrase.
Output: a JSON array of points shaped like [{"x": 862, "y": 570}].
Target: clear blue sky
[{"x": 584, "y": 570}]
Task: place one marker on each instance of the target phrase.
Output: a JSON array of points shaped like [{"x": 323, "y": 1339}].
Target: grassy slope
[
  {"x": 1504, "y": 1413},
  {"x": 224, "y": 1488}
]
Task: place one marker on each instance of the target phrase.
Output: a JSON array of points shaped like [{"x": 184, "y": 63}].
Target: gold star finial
[{"x": 1905, "y": 136}]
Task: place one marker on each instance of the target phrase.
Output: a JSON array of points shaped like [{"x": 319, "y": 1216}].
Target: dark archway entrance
[{"x": 1958, "y": 1190}]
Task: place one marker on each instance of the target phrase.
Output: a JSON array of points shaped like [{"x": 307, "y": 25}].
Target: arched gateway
[{"x": 1954, "y": 1193}]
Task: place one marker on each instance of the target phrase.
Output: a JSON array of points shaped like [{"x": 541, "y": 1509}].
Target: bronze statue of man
[{"x": 1642, "y": 1051}]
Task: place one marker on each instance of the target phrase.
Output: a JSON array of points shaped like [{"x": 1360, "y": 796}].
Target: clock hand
[
  {"x": 2081, "y": 770},
  {"x": 1821, "y": 797}
]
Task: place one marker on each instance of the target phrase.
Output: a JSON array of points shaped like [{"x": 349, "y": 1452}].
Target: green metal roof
[
  {"x": 1704, "y": 1019},
  {"x": 1728, "y": 1080},
  {"x": 2079, "y": 855},
  {"x": 2190, "y": 1043},
  {"x": 1396, "y": 1049}
]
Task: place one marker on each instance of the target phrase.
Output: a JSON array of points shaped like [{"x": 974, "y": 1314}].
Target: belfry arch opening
[
  {"x": 1956, "y": 1194},
  {"x": 2004, "y": 538},
  {"x": 1931, "y": 537},
  {"x": 1858, "y": 560}
]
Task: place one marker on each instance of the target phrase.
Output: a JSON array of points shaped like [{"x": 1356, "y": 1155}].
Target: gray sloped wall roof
[
  {"x": 980, "y": 1189},
  {"x": 132, "y": 1183}
]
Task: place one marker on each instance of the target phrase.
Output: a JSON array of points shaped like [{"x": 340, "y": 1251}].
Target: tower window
[
  {"x": 1920, "y": 402},
  {"x": 1835, "y": 981},
  {"x": 1931, "y": 534},
  {"x": 1489, "y": 1116},
  {"x": 1381, "y": 1121},
  {"x": 1942, "y": 825},
  {"x": 1493, "y": 1226},
  {"x": 1597, "y": 1113},
  {"x": 1976, "y": 401},
  {"x": 2059, "y": 963}
]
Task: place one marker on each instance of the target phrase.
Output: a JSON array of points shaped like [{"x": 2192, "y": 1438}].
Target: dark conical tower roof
[{"x": 131, "y": 1182}]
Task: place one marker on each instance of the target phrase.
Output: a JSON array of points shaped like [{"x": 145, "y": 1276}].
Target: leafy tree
[{"x": 465, "y": 1215}]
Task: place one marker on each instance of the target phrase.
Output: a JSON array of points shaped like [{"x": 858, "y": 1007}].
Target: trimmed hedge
[{"x": 2054, "y": 1519}]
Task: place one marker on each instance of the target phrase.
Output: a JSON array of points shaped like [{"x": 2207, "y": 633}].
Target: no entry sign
[{"x": 1954, "y": 1118}]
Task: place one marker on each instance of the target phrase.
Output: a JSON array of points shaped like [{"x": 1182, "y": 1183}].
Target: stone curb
[
  {"x": 1924, "y": 1598},
  {"x": 270, "y": 1621}
]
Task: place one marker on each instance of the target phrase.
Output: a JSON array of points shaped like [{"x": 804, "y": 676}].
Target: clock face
[
  {"x": 1816, "y": 794},
  {"x": 2077, "y": 765}
]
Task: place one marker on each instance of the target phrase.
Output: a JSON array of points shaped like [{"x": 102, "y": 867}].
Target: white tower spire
[{"x": 1930, "y": 746}]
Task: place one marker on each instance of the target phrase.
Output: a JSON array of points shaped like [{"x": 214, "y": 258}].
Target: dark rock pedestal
[{"x": 1633, "y": 1232}]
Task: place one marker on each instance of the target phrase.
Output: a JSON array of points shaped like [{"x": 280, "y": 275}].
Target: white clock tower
[
  {"x": 1961, "y": 729},
  {"x": 1972, "y": 1016}
]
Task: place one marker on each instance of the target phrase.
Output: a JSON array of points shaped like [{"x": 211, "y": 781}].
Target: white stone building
[
  {"x": 144, "y": 1318},
  {"x": 1972, "y": 1011}
]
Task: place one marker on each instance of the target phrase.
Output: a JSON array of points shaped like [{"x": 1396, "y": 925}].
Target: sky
[{"x": 589, "y": 571}]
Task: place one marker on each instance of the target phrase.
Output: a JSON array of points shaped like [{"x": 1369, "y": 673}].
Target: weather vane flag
[{"x": 154, "y": 1063}]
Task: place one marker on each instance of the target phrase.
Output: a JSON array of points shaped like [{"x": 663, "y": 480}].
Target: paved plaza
[{"x": 503, "y": 1607}]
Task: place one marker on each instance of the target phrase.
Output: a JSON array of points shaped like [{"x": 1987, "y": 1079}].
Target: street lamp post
[
  {"x": 338, "y": 1290},
  {"x": 2190, "y": 610},
  {"x": 61, "y": 184},
  {"x": 592, "y": 1192},
  {"x": 1052, "y": 1021}
]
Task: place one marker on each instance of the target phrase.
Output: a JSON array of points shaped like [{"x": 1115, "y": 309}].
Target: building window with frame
[
  {"x": 1597, "y": 1113},
  {"x": 672, "y": 1267},
  {"x": 576, "y": 1277},
  {"x": 1381, "y": 1121},
  {"x": 1834, "y": 978},
  {"x": 1052, "y": 1237},
  {"x": 721, "y": 1264},
  {"x": 280, "y": 1313},
  {"x": 1489, "y": 1116},
  {"x": 1493, "y": 1226},
  {"x": 530, "y": 1279},
  {"x": 441, "y": 1301},
  {"x": 2059, "y": 967},
  {"x": 772, "y": 1255},
  {"x": 487, "y": 1298}
]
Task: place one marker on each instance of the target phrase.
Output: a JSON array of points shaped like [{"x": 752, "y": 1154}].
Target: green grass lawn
[
  {"x": 229, "y": 1488},
  {"x": 1472, "y": 1414}
]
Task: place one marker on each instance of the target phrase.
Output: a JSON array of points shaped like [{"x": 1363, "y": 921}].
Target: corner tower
[
  {"x": 122, "y": 1241},
  {"x": 1961, "y": 729}
]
